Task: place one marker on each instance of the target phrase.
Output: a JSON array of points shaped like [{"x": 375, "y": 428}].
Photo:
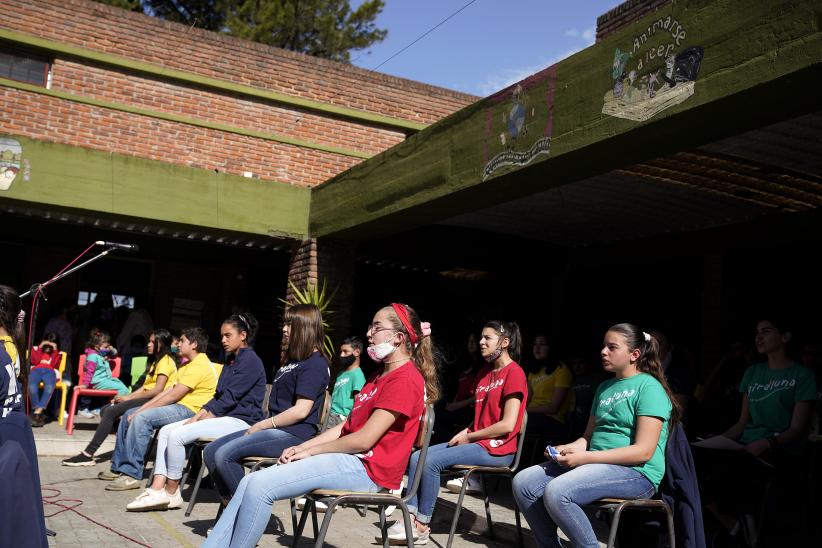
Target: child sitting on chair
[{"x": 97, "y": 372}]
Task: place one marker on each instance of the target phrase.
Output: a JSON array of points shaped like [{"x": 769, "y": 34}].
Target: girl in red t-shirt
[
  {"x": 491, "y": 440},
  {"x": 367, "y": 452}
]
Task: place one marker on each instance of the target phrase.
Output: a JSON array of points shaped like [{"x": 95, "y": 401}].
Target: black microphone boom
[{"x": 132, "y": 248}]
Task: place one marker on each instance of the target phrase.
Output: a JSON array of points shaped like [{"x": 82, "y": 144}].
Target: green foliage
[
  {"x": 324, "y": 28},
  {"x": 319, "y": 297}
]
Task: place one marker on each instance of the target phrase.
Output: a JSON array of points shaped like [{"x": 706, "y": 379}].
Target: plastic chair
[
  {"x": 617, "y": 506},
  {"x": 61, "y": 386},
  {"x": 77, "y": 392},
  {"x": 465, "y": 470},
  {"x": 382, "y": 499},
  {"x": 138, "y": 367}
]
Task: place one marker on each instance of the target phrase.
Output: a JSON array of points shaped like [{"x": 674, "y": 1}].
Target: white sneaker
[
  {"x": 390, "y": 509},
  {"x": 455, "y": 485},
  {"x": 150, "y": 500},
  {"x": 86, "y": 414},
  {"x": 95, "y": 413},
  {"x": 175, "y": 500},
  {"x": 396, "y": 534},
  {"x": 318, "y": 504}
]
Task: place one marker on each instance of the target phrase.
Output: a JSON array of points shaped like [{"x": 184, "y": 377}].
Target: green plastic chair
[{"x": 138, "y": 367}]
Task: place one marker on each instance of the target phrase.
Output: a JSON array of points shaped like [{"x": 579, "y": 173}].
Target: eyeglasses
[{"x": 370, "y": 331}]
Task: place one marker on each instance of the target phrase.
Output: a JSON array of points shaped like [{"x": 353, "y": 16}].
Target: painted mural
[
  {"x": 655, "y": 73},
  {"x": 519, "y": 121},
  {"x": 11, "y": 156}
]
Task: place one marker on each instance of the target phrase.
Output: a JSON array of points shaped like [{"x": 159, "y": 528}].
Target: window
[
  {"x": 87, "y": 297},
  {"x": 23, "y": 66}
]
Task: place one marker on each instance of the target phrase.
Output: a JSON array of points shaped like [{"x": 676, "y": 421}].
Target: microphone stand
[{"x": 37, "y": 289}]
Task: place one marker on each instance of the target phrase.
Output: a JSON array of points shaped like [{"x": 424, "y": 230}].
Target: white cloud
[
  {"x": 505, "y": 77},
  {"x": 589, "y": 35},
  {"x": 573, "y": 33}
]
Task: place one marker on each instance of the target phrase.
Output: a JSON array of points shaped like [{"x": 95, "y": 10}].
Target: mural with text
[
  {"x": 655, "y": 73},
  {"x": 519, "y": 121}
]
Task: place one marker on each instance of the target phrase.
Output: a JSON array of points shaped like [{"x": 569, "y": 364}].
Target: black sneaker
[{"x": 79, "y": 460}]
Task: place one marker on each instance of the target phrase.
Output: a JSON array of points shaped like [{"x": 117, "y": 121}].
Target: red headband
[{"x": 402, "y": 314}]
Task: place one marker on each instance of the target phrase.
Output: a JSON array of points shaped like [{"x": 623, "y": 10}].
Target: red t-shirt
[
  {"x": 491, "y": 392},
  {"x": 467, "y": 383},
  {"x": 40, "y": 359},
  {"x": 401, "y": 391}
]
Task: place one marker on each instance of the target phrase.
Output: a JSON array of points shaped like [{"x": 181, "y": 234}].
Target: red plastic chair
[{"x": 77, "y": 391}]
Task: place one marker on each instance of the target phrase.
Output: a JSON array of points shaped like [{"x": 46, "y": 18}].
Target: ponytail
[
  {"x": 649, "y": 362},
  {"x": 423, "y": 353}
]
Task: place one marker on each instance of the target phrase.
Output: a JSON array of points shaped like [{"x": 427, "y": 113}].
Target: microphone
[{"x": 131, "y": 248}]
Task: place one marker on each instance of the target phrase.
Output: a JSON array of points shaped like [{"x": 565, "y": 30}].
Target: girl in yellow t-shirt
[
  {"x": 160, "y": 376},
  {"x": 549, "y": 383}
]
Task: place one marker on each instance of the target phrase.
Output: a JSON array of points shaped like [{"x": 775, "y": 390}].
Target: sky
[{"x": 484, "y": 48}]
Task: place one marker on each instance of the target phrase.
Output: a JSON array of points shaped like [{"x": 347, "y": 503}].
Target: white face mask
[{"x": 378, "y": 352}]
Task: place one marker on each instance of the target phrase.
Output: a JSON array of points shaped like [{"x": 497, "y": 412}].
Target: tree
[{"x": 324, "y": 28}]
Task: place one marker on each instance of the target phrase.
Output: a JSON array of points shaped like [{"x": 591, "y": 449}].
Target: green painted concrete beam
[
  {"x": 85, "y": 179},
  {"x": 121, "y": 107},
  {"x": 206, "y": 81},
  {"x": 761, "y": 62}
]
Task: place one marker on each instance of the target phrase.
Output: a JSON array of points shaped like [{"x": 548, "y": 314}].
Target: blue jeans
[
  {"x": 440, "y": 457},
  {"x": 49, "y": 379},
  {"x": 173, "y": 438},
  {"x": 550, "y": 495},
  {"x": 133, "y": 438},
  {"x": 245, "y": 518},
  {"x": 223, "y": 456}
]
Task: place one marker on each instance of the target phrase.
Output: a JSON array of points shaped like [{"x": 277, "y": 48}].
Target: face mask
[
  {"x": 105, "y": 351},
  {"x": 174, "y": 349},
  {"x": 347, "y": 361},
  {"x": 379, "y": 352},
  {"x": 494, "y": 355}
]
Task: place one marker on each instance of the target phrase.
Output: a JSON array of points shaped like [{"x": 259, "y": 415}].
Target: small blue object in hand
[{"x": 553, "y": 453}]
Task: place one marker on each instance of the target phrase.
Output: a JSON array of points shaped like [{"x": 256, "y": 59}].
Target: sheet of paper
[{"x": 719, "y": 442}]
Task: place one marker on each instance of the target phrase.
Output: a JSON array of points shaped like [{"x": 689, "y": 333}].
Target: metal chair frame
[
  {"x": 382, "y": 499},
  {"x": 617, "y": 506},
  {"x": 466, "y": 470}
]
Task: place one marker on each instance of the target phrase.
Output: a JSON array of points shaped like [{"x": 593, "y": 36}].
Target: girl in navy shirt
[
  {"x": 294, "y": 403},
  {"x": 237, "y": 402}
]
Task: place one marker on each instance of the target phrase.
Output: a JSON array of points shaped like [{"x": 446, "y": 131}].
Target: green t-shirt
[
  {"x": 772, "y": 394},
  {"x": 347, "y": 384},
  {"x": 617, "y": 404}
]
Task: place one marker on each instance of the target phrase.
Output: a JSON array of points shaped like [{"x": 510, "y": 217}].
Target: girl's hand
[
  {"x": 288, "y": 454},
  {"x": 256, "y": 427},
  {"x": 460, "y": 439},
  {"x": 572, "y": 457},
  {"x": 117, "y": 399},
  {"x": 82, "y": 386},
  {"x": 756, "y": 448}
]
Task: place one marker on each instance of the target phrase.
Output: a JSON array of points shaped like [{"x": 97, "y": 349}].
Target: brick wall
[
  {"x": 625, "y": 14},
  {"x": 103, "y": 28}
]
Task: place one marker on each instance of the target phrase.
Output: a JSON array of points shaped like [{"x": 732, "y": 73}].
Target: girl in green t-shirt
[
  {"x": 621, "y": 454},
  {"x": 778, "y": 400}
]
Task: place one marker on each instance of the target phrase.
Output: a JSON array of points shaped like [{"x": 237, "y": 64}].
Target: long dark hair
[
  {"x": 550, "y": 363},
  {"x": 10, "y": 307},
  {"x": 510, "y": 331},
  {"x": 423, "y": 354},
  {"x": 162, "y": 348},
  {"x": 648, "y": 361},
  {"x": 306, "y": 332}
]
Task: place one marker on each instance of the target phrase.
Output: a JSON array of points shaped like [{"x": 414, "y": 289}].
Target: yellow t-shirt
[
  {"x": 542, "y": 387},
  {"x": 165, "y": 366},
  {"x": 200, "y": 375}
]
